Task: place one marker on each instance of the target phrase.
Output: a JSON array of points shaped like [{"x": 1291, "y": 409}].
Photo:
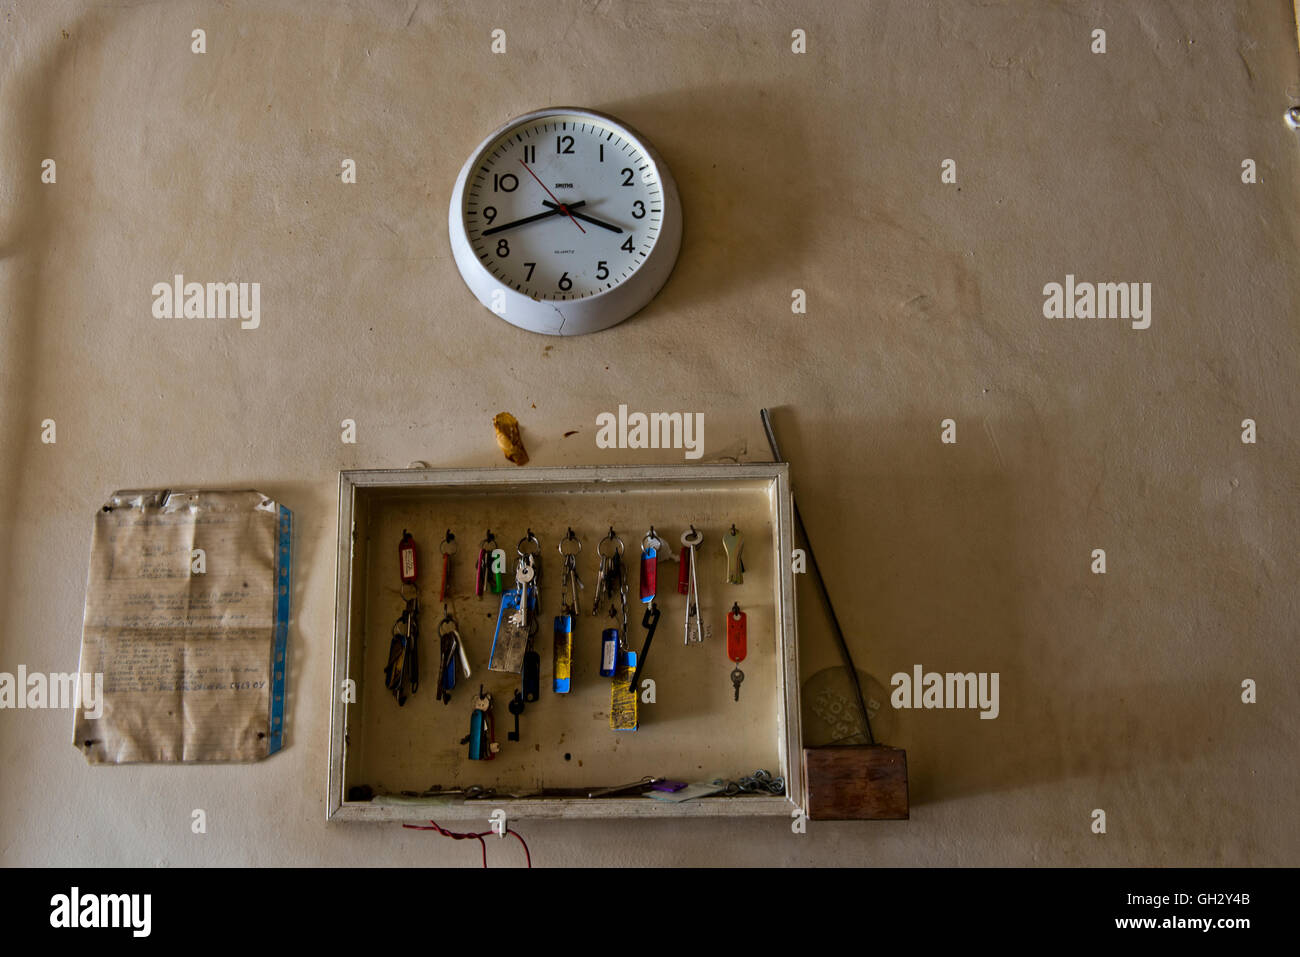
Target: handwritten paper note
[{"x": 187, "y": 609}]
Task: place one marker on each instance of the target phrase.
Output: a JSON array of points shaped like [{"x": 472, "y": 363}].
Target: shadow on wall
[
  {"x": 26, "y": 235},
  {"x": 947, "y": 564},
  {"x": 744, "y": 195},
  {"x": 765, "y": 188}
]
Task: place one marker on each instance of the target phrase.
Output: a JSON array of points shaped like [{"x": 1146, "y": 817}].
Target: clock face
[{"x": 563, "y": 207}]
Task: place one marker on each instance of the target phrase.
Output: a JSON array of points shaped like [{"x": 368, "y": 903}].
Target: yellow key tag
[{"x": 622, "y": 702}]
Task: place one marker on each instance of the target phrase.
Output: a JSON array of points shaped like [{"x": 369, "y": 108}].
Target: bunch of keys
[
  {"x": 403, "y": 668},
  {"x": 482, "y": 729},
  {"x": 448, "y": 548},
  {"x": 530, "y": 549},
  {"x": 736, "y": 643},
  {"x": 570, "y": 547},
  {"x": 612, "y": 576},
  {"x": 451, "y": 647},
  {"x": 688, "y": 584},
  {"x": 486, "y": 574},
  {"x": 517, "y": 622}
]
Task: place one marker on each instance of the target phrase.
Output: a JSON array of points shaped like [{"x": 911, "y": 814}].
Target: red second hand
[{"x": 564, "y": 209}]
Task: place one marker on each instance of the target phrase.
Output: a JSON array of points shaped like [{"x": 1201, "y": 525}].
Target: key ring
[
  {"x": 652, "y": 537},
  {"x": 530, "y": 537},
  {"x": 612, "y": 539},
  {"x": 692, "y": 538},
  {"x": 449, "y": 540},
  {"x": 566, "y": 540}
]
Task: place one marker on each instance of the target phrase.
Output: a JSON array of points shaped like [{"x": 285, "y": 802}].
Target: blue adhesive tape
[{"x": 283, "y": 585}]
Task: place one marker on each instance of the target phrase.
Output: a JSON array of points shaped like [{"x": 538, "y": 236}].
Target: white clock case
[{"x": 577, "y": 316}]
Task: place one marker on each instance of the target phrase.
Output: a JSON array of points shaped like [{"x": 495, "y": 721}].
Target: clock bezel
[{"x": 599, "y": 310}]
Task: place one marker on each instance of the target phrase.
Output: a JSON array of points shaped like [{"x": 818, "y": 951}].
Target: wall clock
[{"x": 565, "y": 221}]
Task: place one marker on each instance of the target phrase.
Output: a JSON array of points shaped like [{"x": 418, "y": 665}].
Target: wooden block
[{"x": 856, "y": 783}]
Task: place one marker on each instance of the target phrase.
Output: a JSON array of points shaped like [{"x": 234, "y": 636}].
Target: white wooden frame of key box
[{"x": 349, "y": 637}]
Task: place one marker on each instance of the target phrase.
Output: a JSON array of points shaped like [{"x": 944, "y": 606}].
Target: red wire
[{"x": 477, "y": 836}]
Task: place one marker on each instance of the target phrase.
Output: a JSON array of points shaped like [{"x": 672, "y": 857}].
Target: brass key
[{"x": 733, "y": 543}]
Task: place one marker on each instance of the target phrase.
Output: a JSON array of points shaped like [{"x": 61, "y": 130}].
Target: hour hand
[
  {"x": 553, "y": 211},
  {"x": 586, "y": 219}
]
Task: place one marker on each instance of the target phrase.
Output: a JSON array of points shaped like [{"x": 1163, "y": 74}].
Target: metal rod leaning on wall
[{"x": 801, "y": 530}]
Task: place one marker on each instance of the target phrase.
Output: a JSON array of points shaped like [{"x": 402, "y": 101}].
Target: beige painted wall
[{"x": 817, "y": 171}]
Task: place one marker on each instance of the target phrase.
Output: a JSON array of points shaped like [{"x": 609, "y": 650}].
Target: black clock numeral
[
  {"x": 638, "y": 210},
  {"x": 530, "y": 154},
  {"x": 531, "y": 267},
  {"x": 627, "y": 176},
  {"x": 564, "y": 144},
  {"x": 504, "y": 182},
  {"x": 503, "y": 248},
  {"x": 602, "y": 270},
  {"x": 627, "y": 246},
  {"x": 489, "y": 213},
  {"x": 565, "y": 283}
]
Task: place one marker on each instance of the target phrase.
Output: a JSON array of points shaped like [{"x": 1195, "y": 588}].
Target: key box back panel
[{"x": 391, "y": 763}]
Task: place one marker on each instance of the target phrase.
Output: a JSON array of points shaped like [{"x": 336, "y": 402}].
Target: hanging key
[
  {"x": 403, "y": 662},
  {"x": 737, "y": 643},
  {"x": 649, "y": 565},
  {"x": 562, "y": 660},
  {"x": 650, "y": 622},
  {"x": 453, "y": 649},
  {"x": 524, "y": 575},
  {"x": 512, "y": 638},
  {"x": 482, "y": 565},
  {"x": 622, "y": 698},
  {"x": 515, "y": 707},
  {"x": 694, "y": 630},
  {"x": 610, "y": 646},
  {"x": 406, "y": 558},
  {"x": 734, "y": 543},
  {"x": 482, "y": 735},
  {"x": 610, "y": 575},
  {"x": 448, "y": 549}
]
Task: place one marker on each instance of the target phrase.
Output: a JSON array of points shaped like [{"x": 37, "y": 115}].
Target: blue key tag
[
  {"x": 608, "y": 652},
  {"x": 563, "y": 659},
  {"x": 510, "y": 640}
]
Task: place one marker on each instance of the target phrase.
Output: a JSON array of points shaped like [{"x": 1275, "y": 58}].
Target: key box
[{"x": 390, "y": 763}]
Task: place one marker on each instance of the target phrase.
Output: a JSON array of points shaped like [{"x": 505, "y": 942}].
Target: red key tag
[
  {"x": 406, "y": 558},
  {"x": 649, "y": 565},
  {"x": 448, "y": 548},
  {"x": 737, "y": 643}
]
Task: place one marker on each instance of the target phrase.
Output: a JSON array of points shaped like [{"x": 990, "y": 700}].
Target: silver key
[
  {"x": 693, "y": 631},
  {"x": 737, "y": 676},
  {"x": 523, "y": 576}
]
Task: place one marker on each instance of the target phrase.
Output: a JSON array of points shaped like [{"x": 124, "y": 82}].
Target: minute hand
[
  {"x": 554, "y": 211},
  {"x": 586, "y": 219}
]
